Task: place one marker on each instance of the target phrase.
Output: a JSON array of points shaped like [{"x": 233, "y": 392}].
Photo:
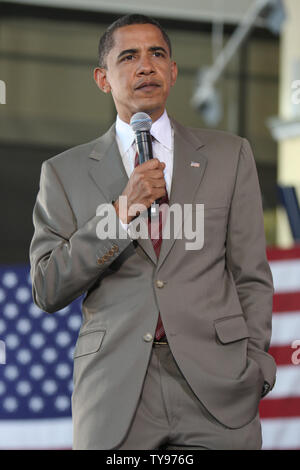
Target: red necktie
[{"x": 156, "y": 242}]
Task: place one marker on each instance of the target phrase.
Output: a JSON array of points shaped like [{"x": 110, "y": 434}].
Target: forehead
[{"x": 137, "y": 36}]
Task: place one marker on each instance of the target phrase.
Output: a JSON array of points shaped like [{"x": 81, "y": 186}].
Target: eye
[
  {"x": 158, "y": 54},
  {"x": 127, "y": 57}
]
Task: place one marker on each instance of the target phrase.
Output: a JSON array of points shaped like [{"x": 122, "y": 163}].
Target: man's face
[{"x": 139, "y": 72}]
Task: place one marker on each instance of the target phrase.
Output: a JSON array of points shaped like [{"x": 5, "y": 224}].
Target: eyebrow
[
  {"x": 126, "y": 51},
  {"x": 134, "y": 51},
  {"x": 158, "y": 48}
]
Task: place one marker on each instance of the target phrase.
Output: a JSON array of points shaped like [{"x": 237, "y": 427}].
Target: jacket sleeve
[
  {"x": 247, "y": 261},
  {"x": 66, "y": 259}
]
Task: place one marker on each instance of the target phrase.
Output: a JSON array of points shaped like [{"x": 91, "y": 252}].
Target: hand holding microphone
[{"x": 146, "y": 184}]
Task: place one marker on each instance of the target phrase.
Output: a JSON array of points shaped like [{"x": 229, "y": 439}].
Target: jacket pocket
[
  {"x": 231, "y": 328},
  {"x": 89, "y": 342},
  {"x": 231, "y": 336}
]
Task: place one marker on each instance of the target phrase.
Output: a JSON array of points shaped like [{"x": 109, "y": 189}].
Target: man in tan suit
[{"x": 172, "y": 351}]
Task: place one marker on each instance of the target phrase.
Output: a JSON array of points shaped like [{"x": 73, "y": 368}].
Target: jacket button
[
  {"x": 148, "y": 337},
  {"x": 160, "y": 284},
  {"x": 99, "y": 260}
]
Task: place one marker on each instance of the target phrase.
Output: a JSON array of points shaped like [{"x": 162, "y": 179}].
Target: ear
[
  {"x": 174, "y": 72},
  {"x": 100, "y": 77}
]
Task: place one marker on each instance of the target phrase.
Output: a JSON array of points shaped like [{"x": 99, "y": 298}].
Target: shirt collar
[{"x": 160, "y": 129}]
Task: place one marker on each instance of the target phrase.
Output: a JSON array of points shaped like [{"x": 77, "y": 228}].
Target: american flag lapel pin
[{"x": 195, "y": 164}]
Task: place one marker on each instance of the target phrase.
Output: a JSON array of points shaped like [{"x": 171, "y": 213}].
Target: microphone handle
[{"x": 144, "y": 146}]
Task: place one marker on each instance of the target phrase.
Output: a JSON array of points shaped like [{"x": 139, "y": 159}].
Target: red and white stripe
[{"x": 280, "y": 410}]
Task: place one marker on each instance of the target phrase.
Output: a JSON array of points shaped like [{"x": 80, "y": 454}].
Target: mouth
[{"x": 147, "y": 86}]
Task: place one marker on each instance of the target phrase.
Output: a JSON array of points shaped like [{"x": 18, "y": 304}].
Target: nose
[{"x": 145, "y": 66}]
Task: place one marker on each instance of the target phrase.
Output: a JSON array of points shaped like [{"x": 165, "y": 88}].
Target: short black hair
[{"x": 107, "y": 41}]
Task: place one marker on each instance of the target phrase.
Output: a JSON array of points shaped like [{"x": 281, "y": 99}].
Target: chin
[{"x": 150, "y": 109}]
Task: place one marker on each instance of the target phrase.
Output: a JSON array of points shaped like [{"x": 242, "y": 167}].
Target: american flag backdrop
[
  {"x": 280, "y": 410},
  {"x": 36, "y": 362},
  {"x": 36, "y": 379}
]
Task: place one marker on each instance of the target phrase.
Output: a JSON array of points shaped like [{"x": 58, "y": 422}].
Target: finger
[
  {"x": 153, "y": 163},
  {"x": 155, "y": 174},
  {"x": 158, "y": 193},
  {"x": 157, "y": 183}
]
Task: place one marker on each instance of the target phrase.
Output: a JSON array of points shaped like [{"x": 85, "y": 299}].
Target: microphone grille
[{"x": 141, "y": 122}]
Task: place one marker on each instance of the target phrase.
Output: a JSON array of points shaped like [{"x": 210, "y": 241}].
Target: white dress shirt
[{"x": 162, "y": 146}]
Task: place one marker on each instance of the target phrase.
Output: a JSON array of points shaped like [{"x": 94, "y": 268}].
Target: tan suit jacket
[{"x": 215, "y": 302}]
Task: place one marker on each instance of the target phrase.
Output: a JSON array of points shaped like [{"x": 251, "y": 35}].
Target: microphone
[{"x": 141, "y": 124}]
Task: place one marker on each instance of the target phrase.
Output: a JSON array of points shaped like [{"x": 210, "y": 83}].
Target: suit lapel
[
  {"x": 106, "y": 169},
  {"x": 185, "y": 179}
]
